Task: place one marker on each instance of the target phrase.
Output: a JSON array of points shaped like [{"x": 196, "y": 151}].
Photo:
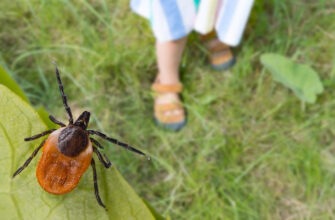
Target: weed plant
[{"x": 250, "y": 150}]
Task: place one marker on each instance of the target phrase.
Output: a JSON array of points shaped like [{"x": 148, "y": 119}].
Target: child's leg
[
  {"x": 168, "y": 59},
  {"x": 168, "y": 109}
]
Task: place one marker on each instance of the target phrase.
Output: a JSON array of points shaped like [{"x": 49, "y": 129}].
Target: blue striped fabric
[
  {"x": 230, "y": 7},
  {"x": 135, "y": 3},
  {"x": 174, "y": 19}
]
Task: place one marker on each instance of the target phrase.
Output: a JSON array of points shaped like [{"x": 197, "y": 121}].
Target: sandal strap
[
  {"x": 168, "y": 106},
  {"x": 165, "y": 88},
  {"x": 171, "y": 118},
  {"x": 161, "y": 109}
]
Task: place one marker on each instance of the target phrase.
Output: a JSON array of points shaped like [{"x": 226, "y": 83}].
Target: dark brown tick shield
[{"x": 68, "y": 152}]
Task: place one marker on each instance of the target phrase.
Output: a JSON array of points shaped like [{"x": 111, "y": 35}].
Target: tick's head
[{"x": 83, "y": 120}]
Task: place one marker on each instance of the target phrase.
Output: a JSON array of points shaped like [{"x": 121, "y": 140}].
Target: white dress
[{"x": 174, "y": 19}]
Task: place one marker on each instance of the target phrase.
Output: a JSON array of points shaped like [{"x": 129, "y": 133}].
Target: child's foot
[
  {"x": 168, "y": 109},
  {"x": 221, "y": 56}
]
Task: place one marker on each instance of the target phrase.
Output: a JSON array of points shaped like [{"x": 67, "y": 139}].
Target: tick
[{"x": 68, "y": 152}]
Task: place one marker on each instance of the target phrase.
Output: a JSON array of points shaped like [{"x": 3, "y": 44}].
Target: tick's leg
[
  {"x": 103, "y": 159},
  {"x": 124, "y": 145},
  {"x": 96, "y": 188},
  {"x": 39, "y": 135},
  {"x": 54, "y": 120},
  {"x": 28, "y": 160},
  {"x": 61, "y": 89},
  {"x": 96, "y": 143}
]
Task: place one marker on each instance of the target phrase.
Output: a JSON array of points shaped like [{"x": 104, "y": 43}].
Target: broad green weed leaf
[
  {"x": 23, "y": 198},
  {"x": 44, "y": 115},
  {"x": 301, "y": 79},
  {"x": 9, "y": 82},
  {"x": 155, "y": 213}
]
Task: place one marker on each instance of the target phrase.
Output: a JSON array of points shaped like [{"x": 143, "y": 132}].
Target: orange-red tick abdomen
[{"x": 57, "y": 173}]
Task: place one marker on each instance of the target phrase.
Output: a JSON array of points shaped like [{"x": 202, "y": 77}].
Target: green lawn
[{"x": 251, "y": 148}]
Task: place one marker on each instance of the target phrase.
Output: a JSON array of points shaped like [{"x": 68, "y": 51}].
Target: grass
[{"x": 251, "y": 149}]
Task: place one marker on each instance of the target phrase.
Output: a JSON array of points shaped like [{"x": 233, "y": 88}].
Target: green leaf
[
  {"x": 44, "y": 115},
  {"x": 301, "y": 79},
  {"x": 23, "y": 198},
  {"x": 9, "y": 82}
]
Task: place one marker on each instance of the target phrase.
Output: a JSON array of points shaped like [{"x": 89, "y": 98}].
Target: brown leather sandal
[
  {"x": 221, "y": 56},
  {"x": 164, "y": 113}
]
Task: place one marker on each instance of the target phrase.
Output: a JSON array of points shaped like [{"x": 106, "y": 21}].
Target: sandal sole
[
  {"x": 224, "y": 66},
  {"x": 170, "y": 126}
]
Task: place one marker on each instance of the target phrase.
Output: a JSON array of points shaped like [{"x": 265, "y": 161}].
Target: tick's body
[
  {"x": 58, "y": 173},
  {"x": 68, "y": 152}
]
